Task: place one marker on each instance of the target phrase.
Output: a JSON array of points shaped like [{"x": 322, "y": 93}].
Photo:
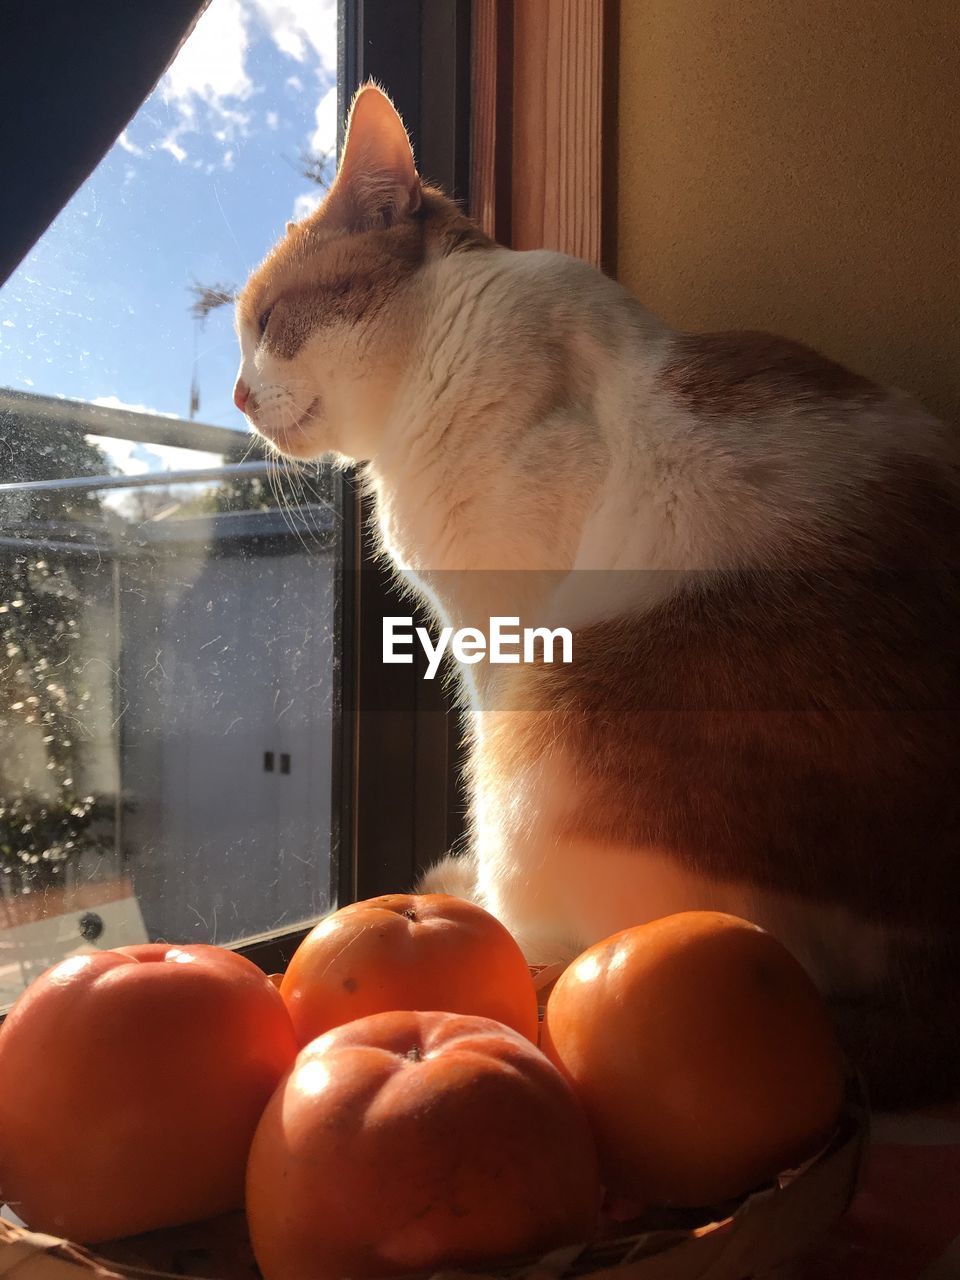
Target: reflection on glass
[
  {"x": 163, "y": 637},
  {"x": 166, "y": 602}
]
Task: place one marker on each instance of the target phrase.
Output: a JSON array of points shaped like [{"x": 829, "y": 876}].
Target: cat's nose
[{"x": 241, "y": 394}]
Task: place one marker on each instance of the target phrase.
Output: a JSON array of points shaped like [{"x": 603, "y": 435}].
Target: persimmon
[
  {"x": 408, "y": 951},
  {"x": 703, "y": 1054},
  {"x": 415, "y": 1141},
  {"x": 131, "y": 1083}
]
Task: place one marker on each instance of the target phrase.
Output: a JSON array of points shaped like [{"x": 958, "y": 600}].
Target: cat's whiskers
[
  {"x": 254, "y": 438},
  {"x": 291, "y": 507},
  {"x": 294, "y": 510},
  {"x": 273, "y": 476},
  {"x": 292, "y": 473}
]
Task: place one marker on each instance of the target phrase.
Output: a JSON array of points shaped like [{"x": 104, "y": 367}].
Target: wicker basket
[{"x": 757, "y": 1241}]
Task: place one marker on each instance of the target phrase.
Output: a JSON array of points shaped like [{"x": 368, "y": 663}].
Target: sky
[{"x": 195, "y": 189}]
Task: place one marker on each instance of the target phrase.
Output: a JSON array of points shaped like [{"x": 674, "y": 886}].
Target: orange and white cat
[{"x": 755, "y": 548}]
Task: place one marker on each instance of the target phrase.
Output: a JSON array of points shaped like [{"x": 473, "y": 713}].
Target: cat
[{"x": 755, "y": 549}]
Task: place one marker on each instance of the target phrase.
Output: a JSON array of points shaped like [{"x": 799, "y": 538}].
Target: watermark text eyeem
[{"x": 504, "y": 642}]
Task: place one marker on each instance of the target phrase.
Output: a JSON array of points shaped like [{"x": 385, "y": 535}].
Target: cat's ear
[{"x": 377, "y": 183}]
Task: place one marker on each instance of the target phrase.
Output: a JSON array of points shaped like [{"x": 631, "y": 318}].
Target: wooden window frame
[{"x": 543, "y": 133}]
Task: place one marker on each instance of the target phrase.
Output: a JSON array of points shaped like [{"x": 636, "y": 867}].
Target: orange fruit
[
  {"x": 416, "y": 1142},
  {"x": 131, "y": 1083},
  {"x": 408, "y": 951},
  {"x": 703, "y": 1054}
]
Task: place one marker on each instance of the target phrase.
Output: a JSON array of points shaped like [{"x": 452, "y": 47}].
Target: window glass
[{"x": 167, "y": 593}]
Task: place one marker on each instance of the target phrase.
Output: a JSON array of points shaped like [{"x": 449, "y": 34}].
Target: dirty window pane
[{"x": 167, "y": 597}]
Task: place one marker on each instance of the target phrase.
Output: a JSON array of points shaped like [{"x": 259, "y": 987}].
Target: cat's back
[
  {"x": 784, "y": 701},
  {"x": 763, "y": 378},
  {"x": 774, "y": 454}
]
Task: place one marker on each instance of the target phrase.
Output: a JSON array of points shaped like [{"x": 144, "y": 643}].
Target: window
[
  {"x": 198, "y": 739},
  {"x": 168, "y": 598}
]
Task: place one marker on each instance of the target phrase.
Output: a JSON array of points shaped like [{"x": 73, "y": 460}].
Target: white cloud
[
  {"x": 133, "y": 458},
  {"x": 299, "y": 27},
  {"x": 167, "y": 457},
  {"x": 305, "y": 204},
  {"x": 175, "y": 459},
  {"x": 114, "y": 402},
  {"x": 236, "y": 121},
  {"x": 228, "y": 160},
  {"x": 211, "y": 65},
  {"x": 208, "y": 80},
  {"x": 120, "y": 454},
  {"x": 324, "y": 137},
  {"x": 170, "y": 144},
  {"x": 124, "y": 142},
  {"x": 322, "y": 141}
]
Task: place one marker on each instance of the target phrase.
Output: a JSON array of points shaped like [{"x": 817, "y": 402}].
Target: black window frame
[
  {"x": 396, "y": 805},
  {"x": 406, "y": 806}
]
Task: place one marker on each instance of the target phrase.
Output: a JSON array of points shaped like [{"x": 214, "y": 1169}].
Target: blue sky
[{"x": 196, "y": 188}]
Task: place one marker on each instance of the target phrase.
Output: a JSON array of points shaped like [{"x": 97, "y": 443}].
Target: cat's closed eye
[{"x": 264, "y": 319}]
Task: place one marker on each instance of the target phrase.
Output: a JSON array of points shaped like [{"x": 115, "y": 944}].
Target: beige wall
[{"x": 795, "y": 165}]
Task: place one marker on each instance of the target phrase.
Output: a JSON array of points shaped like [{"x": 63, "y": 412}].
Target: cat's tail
[{"x": 455, "y": 874}]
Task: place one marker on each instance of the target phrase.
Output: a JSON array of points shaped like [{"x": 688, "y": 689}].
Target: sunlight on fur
[{"x": 755, "y": 547}]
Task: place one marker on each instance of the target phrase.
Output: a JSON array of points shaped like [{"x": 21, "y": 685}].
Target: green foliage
[
  {"x": 44, "y": 701},
  {"x": 32, "y": 449},
  {"x": 51, "y": 576},
  {"x": 289, "y": 484},
  {"x": 38, "y": 839}
]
